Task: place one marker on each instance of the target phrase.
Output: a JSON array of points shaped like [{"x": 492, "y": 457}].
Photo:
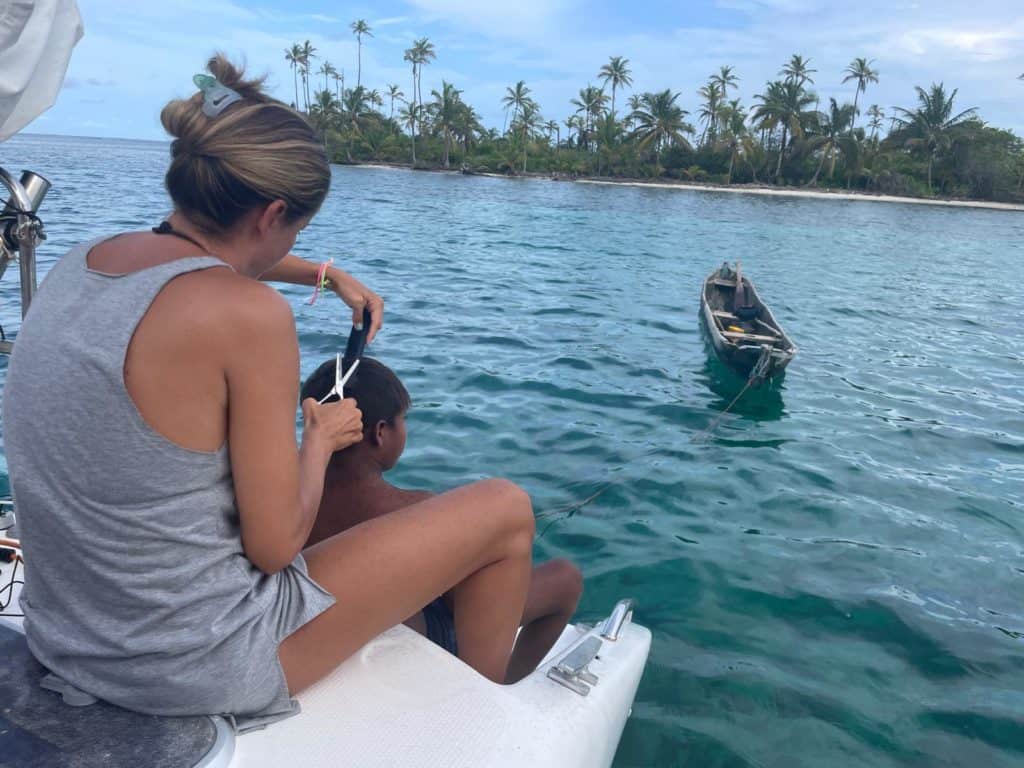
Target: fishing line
[{"x": 565, "y": 511}]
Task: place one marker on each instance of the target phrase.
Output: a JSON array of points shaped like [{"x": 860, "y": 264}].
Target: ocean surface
[{"x": 835, "y": 576}]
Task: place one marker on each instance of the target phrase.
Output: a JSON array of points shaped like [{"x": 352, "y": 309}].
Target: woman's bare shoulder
[{"x": 232, "y": 301}]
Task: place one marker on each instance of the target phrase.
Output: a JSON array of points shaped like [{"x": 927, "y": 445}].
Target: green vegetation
[{"x": 787, "y": 138}]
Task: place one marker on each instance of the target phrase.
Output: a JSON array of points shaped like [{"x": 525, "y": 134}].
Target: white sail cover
[{"x": 36, "y": 38}]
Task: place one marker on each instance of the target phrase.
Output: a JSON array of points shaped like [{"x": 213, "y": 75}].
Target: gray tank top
[{"x": 137, "y": 589}]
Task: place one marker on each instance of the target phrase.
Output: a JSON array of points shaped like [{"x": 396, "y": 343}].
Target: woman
[{"x": 162, "y": 497}]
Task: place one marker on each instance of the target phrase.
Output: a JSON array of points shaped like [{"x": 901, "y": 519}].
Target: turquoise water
[{"x": 835, "y": 577}]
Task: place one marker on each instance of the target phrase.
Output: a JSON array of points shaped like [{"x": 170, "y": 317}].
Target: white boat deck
[{"x": 403, "y": 701}]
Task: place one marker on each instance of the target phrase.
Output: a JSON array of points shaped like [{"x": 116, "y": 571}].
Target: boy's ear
[{"x": 378, "y": 433}]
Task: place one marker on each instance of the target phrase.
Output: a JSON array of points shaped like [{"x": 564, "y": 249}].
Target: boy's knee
[
  {"x": 513, "y": 506},
  {"x": 515, "y": 503}
]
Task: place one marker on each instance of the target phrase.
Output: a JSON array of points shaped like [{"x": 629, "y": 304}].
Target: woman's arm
[
  {"x": 278, "y": 485},
  {"x": 292, "y": 269},
  {"x": 297, "y": 271}
]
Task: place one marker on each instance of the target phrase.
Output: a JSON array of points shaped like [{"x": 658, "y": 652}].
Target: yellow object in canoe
[{"x": 735, "y": 329}]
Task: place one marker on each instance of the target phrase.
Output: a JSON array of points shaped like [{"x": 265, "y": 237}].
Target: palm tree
[
  {"x": 412, "y": 57},
  {"x": 293, "y": 56},
  {"x": 798, "y": 70},
  {"x": 634, "y": 104},
  {"x": 394, "y": 92},
  {"x": 616, "y": 72},
  {"x": 725, "y": 79},
  {"x": 734, "y": 137},
  {"x": 860, "y": 70},
  {"x": 572, "y": 123},
  {"x": 529, "y": 119},
  {"x": 832, "y": 128},
  {"x": 410, "y": 118},
  {"x": 308, "y": 53},
  {"x": 783, "y": 104},
  {"x": 466, "y": 127},
  {"x": 712, "y": 95},
  {"x": 423, "y": 52},
  {"x": 591, "y": 103},
  {"x": 876, "y": 117},
  {"x": 514, "y": 98},
  {"x": 356, "y": 105},
  {"x": 445, "y": 110},
  {"x": 932, "y": 125},
  {"x": 607, "y": 136},
  {"x": 660, "y": 121},
  {"x": 323, "y": 111},
  {"x": 326, "y": 69},
  {"x": 360, "y": 28},
  {"x": 551, "y": 126},
  {"x": 304, "y": 74}
]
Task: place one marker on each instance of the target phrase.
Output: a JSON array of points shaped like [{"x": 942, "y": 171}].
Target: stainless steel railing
[{"x": 21, "y": 231}]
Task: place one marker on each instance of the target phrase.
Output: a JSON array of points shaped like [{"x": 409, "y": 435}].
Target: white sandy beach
[{"x": 818, "y": 194}]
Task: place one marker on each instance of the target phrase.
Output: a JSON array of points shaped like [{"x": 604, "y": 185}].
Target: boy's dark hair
[{"x": 375, "y": 387}]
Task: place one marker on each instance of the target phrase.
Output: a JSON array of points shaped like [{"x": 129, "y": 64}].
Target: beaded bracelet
[{"x": 322, "y": 281}]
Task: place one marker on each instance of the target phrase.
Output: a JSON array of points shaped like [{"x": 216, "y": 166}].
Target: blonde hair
[{"x": 258, "y": 150}]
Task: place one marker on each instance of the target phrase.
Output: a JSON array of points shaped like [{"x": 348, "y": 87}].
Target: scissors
[{"x": 353, "y": 354}]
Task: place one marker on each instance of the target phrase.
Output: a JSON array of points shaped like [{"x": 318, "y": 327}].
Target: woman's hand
[
  {"x": 358, "y": 296},
  {"x": 333, "y": 426}
]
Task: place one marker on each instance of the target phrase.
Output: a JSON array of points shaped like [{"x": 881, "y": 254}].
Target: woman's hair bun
[
  {"x": 253, "y": 152},
  {"x": 183, "y": 118},
  {"x": 234, "y": 78}
]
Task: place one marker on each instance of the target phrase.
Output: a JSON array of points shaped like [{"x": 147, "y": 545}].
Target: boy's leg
[{"x": 555, "y": 589}]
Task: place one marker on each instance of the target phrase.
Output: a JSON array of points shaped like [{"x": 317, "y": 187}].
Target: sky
[{"x": 136, "y": 55}]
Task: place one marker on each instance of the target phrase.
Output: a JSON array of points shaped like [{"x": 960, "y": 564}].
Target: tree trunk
[
  {"x": 524, "y": 148},
  {"x": 930, "y": 158},
  {"x": 295, "y": 77},
  {"x": 447, "y": 145},
  {"x": 832, "y": 161},
  {"x": 782, "y": 149},
  {"x": 732, "y": 159},
  {"x": 419, "y": 94},
  {"x": 814, "y": 179},
  {"x": 359, "y": 66},
  {"x": 412, "y": 126},
  {"x": 853, "y": 120}
]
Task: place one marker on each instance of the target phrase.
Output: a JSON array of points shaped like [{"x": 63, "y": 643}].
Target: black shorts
[{"x": 441, "y": 625}]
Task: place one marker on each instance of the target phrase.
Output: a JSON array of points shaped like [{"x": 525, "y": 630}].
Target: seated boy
[{"x": 355, "y": 491}]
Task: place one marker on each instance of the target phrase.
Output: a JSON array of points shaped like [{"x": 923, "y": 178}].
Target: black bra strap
[{"x": 165, "y": 228}]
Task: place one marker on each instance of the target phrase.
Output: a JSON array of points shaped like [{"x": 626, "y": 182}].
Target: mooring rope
[{"x": 757, "y": 376}]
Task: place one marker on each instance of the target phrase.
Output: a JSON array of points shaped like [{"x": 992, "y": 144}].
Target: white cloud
[
  {"x": 518, "y": 19},
  {"x": 152, "y": 49}
]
